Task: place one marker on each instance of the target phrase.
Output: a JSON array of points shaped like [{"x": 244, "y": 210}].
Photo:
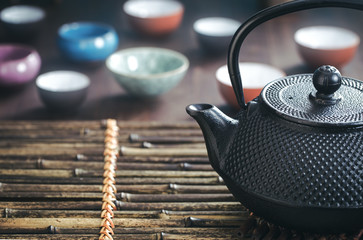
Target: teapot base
[{"x": 317, "y": 220}]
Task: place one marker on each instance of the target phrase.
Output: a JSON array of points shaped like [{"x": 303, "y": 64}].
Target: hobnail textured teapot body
[
  {"x": 297, "y": 169},
  {"x": 290, "y": 174}
]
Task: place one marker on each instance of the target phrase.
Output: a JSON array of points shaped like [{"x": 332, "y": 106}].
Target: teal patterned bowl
[{"x": 147, "y": 71}]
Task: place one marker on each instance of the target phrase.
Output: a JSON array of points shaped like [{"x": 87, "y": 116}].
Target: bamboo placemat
[{"x": 52, "y": 174}]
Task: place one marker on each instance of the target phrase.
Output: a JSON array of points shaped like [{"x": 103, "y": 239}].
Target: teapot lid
[{"x": 324, "y": 98}]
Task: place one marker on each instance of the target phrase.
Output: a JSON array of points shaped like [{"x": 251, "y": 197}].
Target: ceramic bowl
[
  {"x": 147, "y": 71},
  {"x": 87, "y": 41},
  {"x": 215, "y": 33},
  {"x": 326, "y": 45},
  {"x": 19, "y": 64},
  {"x": 22, "y": 19},
  {"x": 62, "y": 89},
  {"x": 154, "y": 17},
  {"x": 254, "y": 77}
]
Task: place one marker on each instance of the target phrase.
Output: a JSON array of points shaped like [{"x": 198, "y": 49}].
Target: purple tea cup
[{"x": 19, "y": 64}]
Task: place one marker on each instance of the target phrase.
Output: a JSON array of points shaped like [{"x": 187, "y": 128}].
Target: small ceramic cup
[
  {"x": 21, "y": 20},
  {"x": 326, "y": 45},
  {"x": 215, "y": 33},
  {"x": 154, "y": 17},
  {"x": 87, "y": 42},
  {"x": 254, "y": 77},
  {"x": 19, "y": 64},
  {"x": 64, "y": 90},
  {"x": 147, "y": 71}
]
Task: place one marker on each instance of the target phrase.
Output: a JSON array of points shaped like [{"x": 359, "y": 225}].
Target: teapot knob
[{"x": 327, "y": 80}]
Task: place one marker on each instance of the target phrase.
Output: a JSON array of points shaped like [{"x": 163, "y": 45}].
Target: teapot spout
[{"x": 218, "y": 130}]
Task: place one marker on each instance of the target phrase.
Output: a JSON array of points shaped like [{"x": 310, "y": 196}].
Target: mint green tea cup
[{"x": 147, "y": 71}]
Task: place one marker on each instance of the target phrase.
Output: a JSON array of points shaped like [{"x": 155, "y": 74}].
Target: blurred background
[{"x": 271, "y": 43}]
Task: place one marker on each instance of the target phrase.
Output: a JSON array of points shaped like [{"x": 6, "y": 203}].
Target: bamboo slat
[
  {"x": 49, "y": 164},
  {"x": 63, "y": 237},
  {"x": 167, "y": 139},
  {"x": 142, "y": 173},
  {"x": 37, "y": 173},
  {"x": 52, "y": 205},
  {"x": 6, "y": 188},
  {"x": 78, "y": 172},
  {"x": 24, "y": 213},
  {"x": 96, "y": 158},
  {"x": 127, "y": 197},
  {"x": 14, "y": 223},
  {"x": 174, "y": 152},
  {"x": 121, "y": 181},
  {"x": 136, "y": 233}
]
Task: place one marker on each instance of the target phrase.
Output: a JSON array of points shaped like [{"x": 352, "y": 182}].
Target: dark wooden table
[{"x": 270, "y": 43}]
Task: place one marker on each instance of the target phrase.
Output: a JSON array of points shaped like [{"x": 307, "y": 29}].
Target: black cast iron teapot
[{"x": 294, "y": 155}]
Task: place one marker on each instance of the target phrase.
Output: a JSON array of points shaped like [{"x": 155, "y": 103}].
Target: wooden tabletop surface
[{"x": 270, "y": 43}]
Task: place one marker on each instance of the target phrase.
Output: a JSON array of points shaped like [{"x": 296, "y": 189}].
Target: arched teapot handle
[{"x": 263, "y": 16}]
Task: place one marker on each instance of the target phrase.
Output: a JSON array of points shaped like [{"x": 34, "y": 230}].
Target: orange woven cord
[
  {"x": 111, "y": 152},
  {"x": 108, "y": 205},
  {"x": 108, "y": 165},
  {"x": 111, "y": 133},
  {"x": 109, "y": 172},
  {"x": 109, "y": 189},
  {"x": 111, "y": 159},
  {"x": 107, "y": 212},
  {"x": 109, "y": 180}
]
